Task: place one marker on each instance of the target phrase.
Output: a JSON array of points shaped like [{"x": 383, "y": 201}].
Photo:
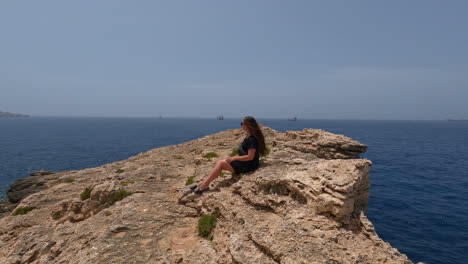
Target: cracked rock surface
[{"x": 307, "y": 203}]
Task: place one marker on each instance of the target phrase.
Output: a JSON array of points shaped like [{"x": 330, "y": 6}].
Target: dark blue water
[{"x": 419, "y": 179}]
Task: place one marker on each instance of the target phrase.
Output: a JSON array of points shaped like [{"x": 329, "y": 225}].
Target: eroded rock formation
[{"x": 305, "y": 204}]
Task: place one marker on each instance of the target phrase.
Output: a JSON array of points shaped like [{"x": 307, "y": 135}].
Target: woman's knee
[
  {"x": 227, "y": 166},
  {"x": 223, "y": 164},
  {"x": 222, "y": 161}
]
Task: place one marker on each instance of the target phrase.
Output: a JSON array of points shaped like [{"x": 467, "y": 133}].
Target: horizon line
[{"x": 230, "y": 117}]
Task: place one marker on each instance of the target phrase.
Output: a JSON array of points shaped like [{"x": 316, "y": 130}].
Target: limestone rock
[
  {"x": 40, "y": 173},
  {"x": 321, "y": 143},
  {"x": 23, "y": 187},
  {"x": 305, "y": 204}
]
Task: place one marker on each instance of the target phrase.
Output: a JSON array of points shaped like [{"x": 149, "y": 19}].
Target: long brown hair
[{"x": 255, "y": 131}]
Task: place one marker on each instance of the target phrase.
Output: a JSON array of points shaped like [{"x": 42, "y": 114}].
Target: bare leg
[{"x": 220, "y": 165}]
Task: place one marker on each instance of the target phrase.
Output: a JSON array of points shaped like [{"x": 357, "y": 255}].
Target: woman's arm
[{"x": 250, "y": 156}]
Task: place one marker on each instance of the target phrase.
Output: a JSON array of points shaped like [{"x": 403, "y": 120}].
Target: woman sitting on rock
[{"x": 248, "y": 159}]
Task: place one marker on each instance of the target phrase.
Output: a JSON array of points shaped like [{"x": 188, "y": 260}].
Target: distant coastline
[
  {"x": 457, "y": 120},
  {"x": 8, "y": 114}
]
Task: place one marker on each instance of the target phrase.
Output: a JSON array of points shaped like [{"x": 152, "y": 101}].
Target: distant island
[
  {"x": 8, "y": 114},
  {"x": 457, "y": 120}
]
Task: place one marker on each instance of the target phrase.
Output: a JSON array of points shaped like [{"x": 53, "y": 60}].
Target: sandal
[
  {"x": 193, "y": 187},
  {"x": 198, "y": 191}
]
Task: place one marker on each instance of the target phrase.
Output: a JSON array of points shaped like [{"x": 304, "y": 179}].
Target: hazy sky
[{"x": 314, "y": 59}]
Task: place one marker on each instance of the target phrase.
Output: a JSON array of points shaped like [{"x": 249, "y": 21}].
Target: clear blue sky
[{"x": 314, "y": 59}]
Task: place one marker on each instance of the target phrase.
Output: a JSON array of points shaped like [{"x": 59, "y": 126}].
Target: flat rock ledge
[{"x": 307, "y": 203}]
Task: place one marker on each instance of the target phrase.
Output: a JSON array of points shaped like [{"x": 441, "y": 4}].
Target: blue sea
[{"x": 419, "y": 179}]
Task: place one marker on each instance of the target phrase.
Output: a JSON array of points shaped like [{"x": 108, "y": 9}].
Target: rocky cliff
[{"x": 305, "y": 204}]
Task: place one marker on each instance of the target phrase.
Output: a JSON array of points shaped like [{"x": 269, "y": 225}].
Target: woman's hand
[{"x": 229, "y": 159}]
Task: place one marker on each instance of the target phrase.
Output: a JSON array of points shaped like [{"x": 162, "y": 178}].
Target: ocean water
[{"x": 419, "y": 179}]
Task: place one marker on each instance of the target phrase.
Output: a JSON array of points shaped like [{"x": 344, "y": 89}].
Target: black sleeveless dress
[{"x": 251, "y": 165}]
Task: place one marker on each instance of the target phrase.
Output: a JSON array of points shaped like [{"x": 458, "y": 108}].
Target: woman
[{"x": 248, "y": 159}]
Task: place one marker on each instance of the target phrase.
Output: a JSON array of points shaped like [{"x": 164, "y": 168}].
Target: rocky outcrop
[
  {"x": 305, "y": 204},
  {"x": 321, "y": 143},
  {"x": 22, "y": 188},
  {"x": 40, "y": 173}
]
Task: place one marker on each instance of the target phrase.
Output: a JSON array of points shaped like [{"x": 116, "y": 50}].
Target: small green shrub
[
  {"x": 86, "y": 193},
  {"x": 207, "y": 223},
  {"x": 119, "y": 170},
  {"x": 267, "y": 151},
  {"x": 210, "y": 155},
  {"x": 68, "y": 180},
  {"x": 57, "y": 215},
  {"x": 23, "y": 210},
  {"x": 189, "y": 180},
  {"x": 126, "y": 183},
  {"x": 235, "y": 152},
  {"x": 121, "y": 194},
  {"x": 116, "y": 196},
  {"x": 222, "y": 174},
  {"x": 76, "y": 209}
]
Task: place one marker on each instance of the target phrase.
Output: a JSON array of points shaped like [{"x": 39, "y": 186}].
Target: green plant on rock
[
  {"x": 222, "y": 174},
  {"x": 68, "y": 180},
  {"x": 23, "y": 210},
  {"x": 57, "y": 215},
  {"x": 86, "y": 193},
  {"x": 210, "y": 155},
  {"x": 207, "y": 223},
  {"x": 119, "y": 170},
  {"x": 235, "y": 152},
  {"x": 190, "y": 180},
  {"x": 267, "y": 151},
  {"x": 116, "y": 196},
  {"x": 125, "y": 183}
]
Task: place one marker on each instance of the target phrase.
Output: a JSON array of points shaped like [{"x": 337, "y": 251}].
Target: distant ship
[
  {"x": 457, "y": 120},
  {"x": 293, "y": 119},
  {"x": 220, "y": 117}
]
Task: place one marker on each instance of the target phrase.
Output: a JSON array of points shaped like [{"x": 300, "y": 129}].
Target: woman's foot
[
  {"x": 193, "y": 187},
  {"x": 200, "y": 191}
]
